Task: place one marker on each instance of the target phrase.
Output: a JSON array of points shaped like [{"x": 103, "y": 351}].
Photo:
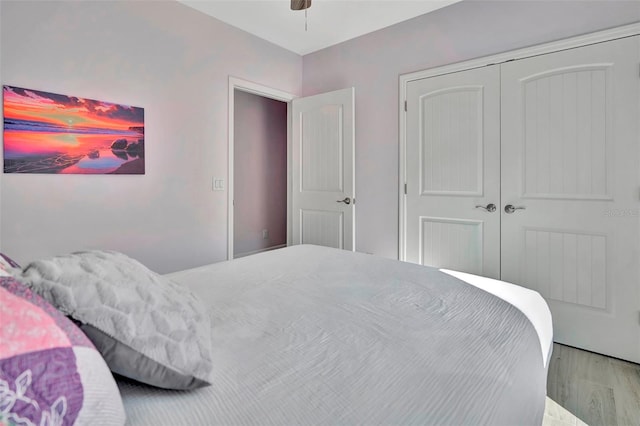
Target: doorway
[
  {"x": 258, "y": 182},
  {"x": 321, "y": 138}
]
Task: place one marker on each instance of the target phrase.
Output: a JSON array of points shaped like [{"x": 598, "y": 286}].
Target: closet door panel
[
  {"x": 453, "y": 170},
  {"x": 570, "y": 156}
]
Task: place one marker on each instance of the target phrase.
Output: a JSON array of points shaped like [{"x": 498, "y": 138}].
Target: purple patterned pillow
[{"x": 50, "y": 373}]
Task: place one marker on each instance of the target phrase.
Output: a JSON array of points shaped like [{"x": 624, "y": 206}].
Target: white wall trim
[
  {"x": 267, "y": 92},
  {"x": 527, "y": 52}
]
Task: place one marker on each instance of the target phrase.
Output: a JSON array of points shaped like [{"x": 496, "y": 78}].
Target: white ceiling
[{"x": 329, "y": 21}]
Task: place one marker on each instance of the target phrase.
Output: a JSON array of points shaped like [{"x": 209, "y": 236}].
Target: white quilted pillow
[{"x": 145, "y": 326}]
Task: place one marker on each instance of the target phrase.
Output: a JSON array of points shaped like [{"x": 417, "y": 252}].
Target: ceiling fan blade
[{"x": 300, "y": 4}]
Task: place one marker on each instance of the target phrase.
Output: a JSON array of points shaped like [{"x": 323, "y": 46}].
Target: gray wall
[
  {"x": 372, "y": 64},
  {"x": 163, "y": 56},
  {"x": 260, "y": 172}
]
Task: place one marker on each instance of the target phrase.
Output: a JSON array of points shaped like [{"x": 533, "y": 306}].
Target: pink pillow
[{"x": 50, "y": 373}]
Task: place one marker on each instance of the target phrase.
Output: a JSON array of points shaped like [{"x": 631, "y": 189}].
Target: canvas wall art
[{"x": 50, "y": 133}]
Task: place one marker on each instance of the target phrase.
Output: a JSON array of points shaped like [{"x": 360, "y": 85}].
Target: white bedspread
[
  {"x": 530, "y": 303},
  {"x": 311, "y": 335}
]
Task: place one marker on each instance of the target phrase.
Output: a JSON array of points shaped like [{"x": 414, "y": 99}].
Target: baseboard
[{"x": 249, "y": 253}]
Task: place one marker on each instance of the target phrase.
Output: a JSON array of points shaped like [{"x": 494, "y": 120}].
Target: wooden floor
[{"x": 587, "y": 388}]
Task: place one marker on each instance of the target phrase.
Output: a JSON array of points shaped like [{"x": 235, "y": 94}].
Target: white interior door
[
  {"x": 323, "y": 198},
  {"x": 453, "y": 171},
  {"x": 570, "y": 156}
]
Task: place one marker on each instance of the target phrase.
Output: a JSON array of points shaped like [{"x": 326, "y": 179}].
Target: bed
[
  {"x": 295, "y": 336},
  {"x": 313, "y": 335}
]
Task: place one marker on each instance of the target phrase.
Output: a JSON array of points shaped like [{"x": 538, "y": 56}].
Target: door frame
[
  {"x": 265, "y": 92},
  {"x": 554, "y": 46}
]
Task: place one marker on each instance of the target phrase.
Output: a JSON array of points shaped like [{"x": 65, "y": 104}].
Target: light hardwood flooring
[{"x": 587, "y": 388}]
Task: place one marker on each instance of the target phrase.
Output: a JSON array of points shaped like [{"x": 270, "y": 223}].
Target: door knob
[
  {"x": 346, "y": 200},
  {"x": 489, "y": 208},
  {"x": 510, "y": 208}
]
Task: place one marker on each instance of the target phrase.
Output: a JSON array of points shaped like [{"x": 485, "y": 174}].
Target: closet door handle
[
  {"x": 488, "y": 208},
  {"x": 510, "y": 208},
  {"x": 346, "y": 200}
]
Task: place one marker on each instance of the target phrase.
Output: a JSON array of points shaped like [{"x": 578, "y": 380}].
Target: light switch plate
[{"x": 218, "y": 184}]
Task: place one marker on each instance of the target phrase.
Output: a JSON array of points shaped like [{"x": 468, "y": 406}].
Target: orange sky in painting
[
  {"x": 41, "y": 123},
  {"x": 36, "y": 108}
]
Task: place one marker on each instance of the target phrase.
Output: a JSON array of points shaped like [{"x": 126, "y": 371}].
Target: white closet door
[
  {"x": 453, "y": 166},
  {"x": 323, "y": 165},
  {"x": 570, "y": 157}
]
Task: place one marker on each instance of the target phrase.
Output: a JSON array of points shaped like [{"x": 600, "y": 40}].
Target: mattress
[{"x": 313, "y": 335}]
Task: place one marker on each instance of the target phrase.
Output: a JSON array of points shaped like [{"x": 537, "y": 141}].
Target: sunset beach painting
[{"x": 50, "y": 133}]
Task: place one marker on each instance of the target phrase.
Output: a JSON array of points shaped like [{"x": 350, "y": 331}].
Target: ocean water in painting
[{"x": 50, "y": 133}]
